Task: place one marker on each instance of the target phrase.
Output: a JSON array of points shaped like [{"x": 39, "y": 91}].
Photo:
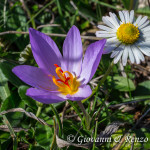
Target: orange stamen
[{"x": 66, "y": 85}]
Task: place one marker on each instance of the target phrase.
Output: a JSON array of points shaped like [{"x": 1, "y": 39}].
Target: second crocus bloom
[{"x": 58, "y": 77}]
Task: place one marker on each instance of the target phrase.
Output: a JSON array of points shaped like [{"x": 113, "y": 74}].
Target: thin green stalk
[
  {"x": 95, "y": 135},
  {"x": 58, "y": 119},
  {"x": 12, "y": 133}
]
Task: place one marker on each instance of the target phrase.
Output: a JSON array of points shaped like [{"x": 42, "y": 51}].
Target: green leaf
[
  {"x": 121, "y": 83},
  {"x": 4, "y": 136},
  {"x": 13, "y": 101},
  {"x": 4, "y": 90},
  {"x": 143, "y": 88},
  {"x": 5, "y": 145},
  {"x": 28, "y": 101},
  {"x": 43, "y": 136},
  {"x": 6, "y": 68}
]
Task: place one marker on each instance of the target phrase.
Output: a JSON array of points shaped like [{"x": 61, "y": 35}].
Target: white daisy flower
[{"x": 126, "y": 37}]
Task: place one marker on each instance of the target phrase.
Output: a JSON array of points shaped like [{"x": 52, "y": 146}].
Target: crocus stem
[
  {"x": 38, "y": 111},
  {"x": 40, "y": 105}
]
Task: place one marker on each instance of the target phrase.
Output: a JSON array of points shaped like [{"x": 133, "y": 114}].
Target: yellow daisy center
[
  {"x": 128, "y": 33},
  {"x": 67, "y": 83}
]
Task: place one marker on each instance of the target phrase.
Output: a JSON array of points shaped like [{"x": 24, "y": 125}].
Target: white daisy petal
[
  {"x": 145, "y": 38},
  {"x": 112, "y": 40},
  {"x": 137, "y": 20},
  {"x": 105, "y": 28},
  {"x": 131, "y": 56},
  {"x": 144, "y": 49},
  {"x": 105, "y": 32},
  {"x": 126, "y": 13},
  {"x": 112, "y": 22},
  {"x": 108, "y": 50},
  {"x": 145, "y": 34},
  {"x": 146, "y": 29},
  {"x": 135, "y": 53},
  {"x": 107, "y": 22},
  {"x": 112, "y": 44},
  {"x": 115, "y": 19},
  {"x": 99, "y": 34},
  {"x": 122, "y": 16},
  {"x": 117, "y": 58},
  {"x": 131, "y": 16},
  {"x": 142, "y": 21},
  {"x": 141, "y": 57},
  {"x": 144, "y": 24},
  {"x": 125, "y": 55},
  {"x": 114, "y": 54},
  {"x": 145, "y": 44}
]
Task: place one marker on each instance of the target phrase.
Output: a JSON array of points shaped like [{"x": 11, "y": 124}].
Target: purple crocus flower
[{"x": 58, "y": 77}]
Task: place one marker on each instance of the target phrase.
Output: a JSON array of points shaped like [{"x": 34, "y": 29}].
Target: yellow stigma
[
  {"x": 67, "y": 83},
  {"x": 128, "y": 33}
]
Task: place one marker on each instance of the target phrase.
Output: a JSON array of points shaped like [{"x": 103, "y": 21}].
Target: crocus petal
[
  {"x": 72, "y": 51},
  {"x": 91, "y": 60},
  {"x": 82, "y": 93},
  {"x": 43, "y": 96},
  {"x": 46, "y": 54},
  {"x": 35, "y": 77}
]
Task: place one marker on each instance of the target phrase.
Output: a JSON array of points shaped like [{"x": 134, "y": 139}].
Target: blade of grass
[
  {"x": 59, "y": 8},
  {"x": 107, "y": 5},
  {"x": 95, "y": 135}
]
